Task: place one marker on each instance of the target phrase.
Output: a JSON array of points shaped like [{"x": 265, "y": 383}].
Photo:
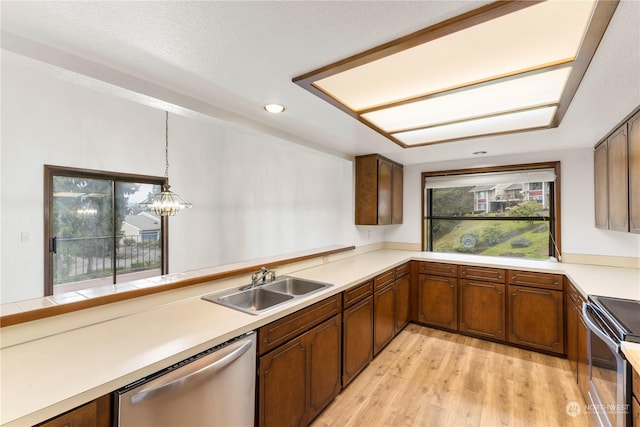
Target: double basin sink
[{"x": 256, "y": 300}]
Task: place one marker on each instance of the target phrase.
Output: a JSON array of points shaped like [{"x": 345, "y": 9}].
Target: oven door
[{"x": 608, "y": 371}]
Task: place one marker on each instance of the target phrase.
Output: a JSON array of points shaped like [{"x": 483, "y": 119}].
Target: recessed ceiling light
[
  {"x": 274, "y": 108},
  {"x": 502, "y": 68}
]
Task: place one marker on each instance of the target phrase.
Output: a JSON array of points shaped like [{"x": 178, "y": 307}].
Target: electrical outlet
[{"x": 25, "y": 237}]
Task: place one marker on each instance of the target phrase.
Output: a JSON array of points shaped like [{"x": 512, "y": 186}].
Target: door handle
[
  {"x": 613, "y": 345},
  {"x": 146, "y": 394}
]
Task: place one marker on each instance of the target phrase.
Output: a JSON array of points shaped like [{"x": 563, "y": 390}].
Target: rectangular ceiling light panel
[{"x": 506, "y": 56}]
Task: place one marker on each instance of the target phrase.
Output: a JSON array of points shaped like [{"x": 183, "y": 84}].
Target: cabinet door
[
  {"x": 438, "y": 301},
  {"x": 482, "y": 309},
  {"x": 536, "y": 318},
  {"x": 572, "y": 336},
  {"x": 96, "y": 413},
  {"x": 396, "y": 196},
  {"x": 383, "y": 317},
  {"x": 324, "y": 366},
  {"x": 402, "y": 288},
  {"x": 618, "y": 181},
  {"x": 384, "y": 192},
  {"x": 283, "y": 386},
  {"x": 633, "y": 140},
  {"x": 601, "y": 186},
  {"x": 583, "y": 371},
  {"x": 357, "y": 339}
]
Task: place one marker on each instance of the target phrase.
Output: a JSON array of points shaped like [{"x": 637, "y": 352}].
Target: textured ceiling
[{"x": 235, "y": 56}]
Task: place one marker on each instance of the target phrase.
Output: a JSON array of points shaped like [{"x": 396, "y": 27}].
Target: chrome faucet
[{"x": 261, "y": 277}]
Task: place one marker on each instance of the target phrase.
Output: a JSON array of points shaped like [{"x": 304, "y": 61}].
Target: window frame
[
  {"x": 555, "y": 241},
  {"x": 50, "y": 171}
]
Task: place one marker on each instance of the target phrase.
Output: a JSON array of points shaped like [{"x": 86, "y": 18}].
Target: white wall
[
  {"x": 253, "y": 195},
  {"x": 579, "y": 236}
]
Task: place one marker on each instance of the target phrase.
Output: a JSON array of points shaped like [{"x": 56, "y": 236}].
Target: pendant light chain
[{"x": 166, "y": 145}]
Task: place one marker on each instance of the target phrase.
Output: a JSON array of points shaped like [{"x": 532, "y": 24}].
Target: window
[
  {"x": 509, "y": 211},
  {"x": 96, "y": 234}
]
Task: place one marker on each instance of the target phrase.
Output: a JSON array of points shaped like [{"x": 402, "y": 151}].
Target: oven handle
[{"x": 610, "y": 342}]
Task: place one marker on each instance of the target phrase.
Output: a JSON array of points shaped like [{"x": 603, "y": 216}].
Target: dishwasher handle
[{"x": 216, "y": 366}]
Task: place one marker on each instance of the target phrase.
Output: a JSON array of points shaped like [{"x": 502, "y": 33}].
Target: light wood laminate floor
[{"x": 427, "y": 377}]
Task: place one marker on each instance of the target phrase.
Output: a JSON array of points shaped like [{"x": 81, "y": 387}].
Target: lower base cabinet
[
  {"x": 438, "y": 301},
  {"x": 96, "y": 413},
  {"x": 482, "y": 309},
  {"x": 383, "y": 317},
  {"x": 536, "y": 318},
  {"x": 402, "y": 290},
  {"x": 300, "y": 378},
  {"x": 357, "y": 339}
]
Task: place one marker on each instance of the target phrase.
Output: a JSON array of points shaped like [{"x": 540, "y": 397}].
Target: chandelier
[{"x": 166, "y": 202}]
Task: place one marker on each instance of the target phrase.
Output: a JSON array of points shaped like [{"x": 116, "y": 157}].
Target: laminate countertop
[{"x": 52, "y": 365}]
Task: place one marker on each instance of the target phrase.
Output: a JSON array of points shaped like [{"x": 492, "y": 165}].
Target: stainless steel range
[{"x": 609, "y": 322}]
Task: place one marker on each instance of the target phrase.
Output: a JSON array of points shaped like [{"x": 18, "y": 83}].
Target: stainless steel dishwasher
[{"x": 213, "y": 388}]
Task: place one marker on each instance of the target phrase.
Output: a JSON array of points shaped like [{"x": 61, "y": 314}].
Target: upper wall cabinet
[
  {"x": 617, "y": 178},
  {"x": 378, "y": 191}
]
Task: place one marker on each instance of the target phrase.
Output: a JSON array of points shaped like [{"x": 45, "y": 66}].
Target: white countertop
[{"x": 42, "y": 376}]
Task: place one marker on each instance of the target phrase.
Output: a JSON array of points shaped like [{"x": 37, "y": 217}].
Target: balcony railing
[{"x": 85, "y": 258}]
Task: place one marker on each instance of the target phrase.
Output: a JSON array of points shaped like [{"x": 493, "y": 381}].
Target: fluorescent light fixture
[
  {"x": 274, "y": 108},
  {"x": 494, "y": 64}
]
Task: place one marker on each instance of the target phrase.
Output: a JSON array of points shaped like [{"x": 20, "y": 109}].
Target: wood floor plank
[{"x": 428, "y": 377}]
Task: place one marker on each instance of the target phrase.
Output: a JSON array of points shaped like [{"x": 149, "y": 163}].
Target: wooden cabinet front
[
  {"x": 96, "y": 413},
  {"x": 633, "y": 139},
  {"x": 601, "y": 186},
  {"x": 357, "y": 339},
  {"x": 298, "y": 379},
  {"x": 402, "y": 289},
  {"x": 536, "y": 318},
  {"x": 583, "y": 370},
  {"x": 383, "y": 317},
  {"x": 617, "y": 164},
  {"x": 482, "y": 309},
  {"x": 378, "y": 191},
  {"x": 438, "y": 301}
]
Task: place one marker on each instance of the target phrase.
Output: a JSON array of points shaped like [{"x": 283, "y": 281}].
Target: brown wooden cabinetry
[
  {"x": 536, "y": 312},
  {"x": 633, "y": 138},
  {"x": 383, "y": 315},
  {"x": 96, "y": 413},
  {"x": 617, "y": 177},
  {"x": 482, "y": 309},
  {"x": 357, "y": 330},
  {"x": 401, "y": 289},
  {"x": 300, "y": 364},
  {"x": 438, "y": 301},
  {"x": 378, "y": 191}
]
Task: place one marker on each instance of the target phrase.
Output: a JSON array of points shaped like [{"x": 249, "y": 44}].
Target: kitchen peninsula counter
[{"x": 43, "y": 375}]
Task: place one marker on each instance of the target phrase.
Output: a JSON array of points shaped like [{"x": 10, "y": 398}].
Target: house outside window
[
  {"x": 97, "y": 234},
  {"x": 506, "y": 211}
]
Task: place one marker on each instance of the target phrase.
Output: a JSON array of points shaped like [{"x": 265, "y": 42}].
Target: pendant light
[{"x": 166, "y": 202}]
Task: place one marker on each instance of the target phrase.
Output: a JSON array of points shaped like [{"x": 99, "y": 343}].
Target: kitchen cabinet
[
  {"x": 96, "y": 413},
  {"x": 482, "y": 309},
  {"x": 378, "y": 192},
  {"x": 383, "y": 311},
  {"x": 535, "y": 310},
  {"x": 299, "y": 368},
  {"x": 633, "y": 139},
  {"x": 401, "y": 290},
  {"x": 571, "y": 309},
  {"x": 357, "y": 330},
  {"x": 438, "y": 295},
  {"x": 617, "y": 177}
]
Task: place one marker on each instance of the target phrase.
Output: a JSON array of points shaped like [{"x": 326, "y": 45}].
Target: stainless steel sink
[
  {"x": 293, "y": 286},
  {"x": 258, "y": 299}
]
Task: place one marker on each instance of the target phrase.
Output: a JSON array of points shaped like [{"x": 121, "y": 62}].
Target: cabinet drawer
[
  {"x": 384, "y": 279},
  {"x": 357, "y": 293},
  {"x": 536, "y": 280},
  {"x": 402, "y": 270},
  {"x": 486, "y": 274},
  {"x": 573, "y": 294},
  {"x": 438, "y": 269},
  {"x": 635, "y": 383},
  {"x": 274, "y": 334}
]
